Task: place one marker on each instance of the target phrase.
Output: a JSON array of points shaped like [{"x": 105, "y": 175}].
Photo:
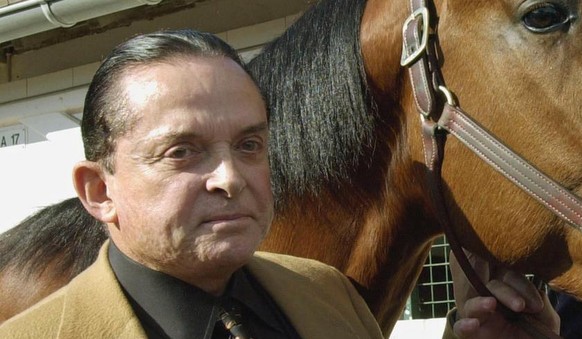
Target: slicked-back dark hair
[
  {"x": 105, "y": 115},
  {"x": 63, "y": 234}
]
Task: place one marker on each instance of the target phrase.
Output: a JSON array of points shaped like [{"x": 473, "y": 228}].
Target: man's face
[{"x": 191, "y": 186}]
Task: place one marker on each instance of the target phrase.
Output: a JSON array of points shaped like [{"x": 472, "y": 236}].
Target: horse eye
[{"x": 546, "y": 18}]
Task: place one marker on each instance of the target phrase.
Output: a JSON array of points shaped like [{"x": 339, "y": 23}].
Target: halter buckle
[
  {"x": 448, "y": 95},
  {"x": 409, "y": 57}
]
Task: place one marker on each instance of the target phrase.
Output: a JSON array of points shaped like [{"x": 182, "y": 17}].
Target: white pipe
[
  {"x": 19, "y": 6},
  {"x": 34, "y": 16},
  {"x": 52, "y": 18}
]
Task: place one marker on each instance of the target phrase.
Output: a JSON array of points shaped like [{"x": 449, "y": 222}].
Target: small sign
[{"x": 13, "y": 136}]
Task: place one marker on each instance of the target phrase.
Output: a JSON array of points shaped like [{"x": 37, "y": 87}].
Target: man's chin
[{"x": 235, "y": 253}]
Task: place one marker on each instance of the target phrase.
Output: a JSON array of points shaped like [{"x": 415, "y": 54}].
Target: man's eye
[
  {"x": 179, "y": 152},
  {"x": 251, "y": 146}
]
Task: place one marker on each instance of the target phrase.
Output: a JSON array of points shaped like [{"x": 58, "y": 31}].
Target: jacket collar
[{"x": 305, "y": 303}]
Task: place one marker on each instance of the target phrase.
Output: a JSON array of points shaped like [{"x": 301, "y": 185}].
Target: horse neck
[
  {"x": 379, "y": 232},
  {"x": 381, "y": 241}
]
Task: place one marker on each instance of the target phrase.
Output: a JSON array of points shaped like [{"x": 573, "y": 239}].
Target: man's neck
[{"x": 212, "y": 278}]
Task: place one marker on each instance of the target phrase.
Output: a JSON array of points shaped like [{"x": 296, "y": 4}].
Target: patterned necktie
[{"x": 231, "y": 317}]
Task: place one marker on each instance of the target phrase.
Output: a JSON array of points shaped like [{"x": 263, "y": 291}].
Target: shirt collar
[{"x": 247, "y": 290}]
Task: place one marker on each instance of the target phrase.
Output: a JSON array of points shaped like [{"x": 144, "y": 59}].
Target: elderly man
[{"x": 175, "y": 136}]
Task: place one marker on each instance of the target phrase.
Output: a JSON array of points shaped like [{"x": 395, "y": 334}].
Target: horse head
[
  {"x": 524, "y": 88},
  {"x": 514, "y": 68}
]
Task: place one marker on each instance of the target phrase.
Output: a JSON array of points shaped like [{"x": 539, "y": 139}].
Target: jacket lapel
[{"x": 312, "y": 316}]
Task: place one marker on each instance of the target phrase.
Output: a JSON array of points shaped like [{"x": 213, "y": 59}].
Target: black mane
[
  {"x": 63, "y": 233},
  {"x": 321, "y": 112}
]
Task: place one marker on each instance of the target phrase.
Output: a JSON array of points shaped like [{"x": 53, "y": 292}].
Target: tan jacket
[{"x": 318, "y": 300}]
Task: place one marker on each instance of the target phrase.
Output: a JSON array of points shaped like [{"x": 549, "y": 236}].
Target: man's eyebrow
[
  {"x": 175, "y": 136},
  {"x": 258, "y": 128}
]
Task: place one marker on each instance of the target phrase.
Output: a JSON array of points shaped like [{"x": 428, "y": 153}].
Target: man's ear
[{"x": 90, "y": 183}]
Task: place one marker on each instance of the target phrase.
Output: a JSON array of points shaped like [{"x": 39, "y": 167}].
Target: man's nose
[{"x": 226, "y": 177}]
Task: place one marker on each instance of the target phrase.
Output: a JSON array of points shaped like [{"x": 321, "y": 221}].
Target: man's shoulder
[
  {"x": 297, "y": 270},
  {"x": 294, "y": 263},
  {"x": 297, "y": 284},
  {"x": 92, "y": 305},
  {"x": 45, "y": 315},
  {"x": 52, "y": 306}
]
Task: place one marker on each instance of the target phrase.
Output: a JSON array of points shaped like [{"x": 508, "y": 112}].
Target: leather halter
[{"x": 441, "y": 117}]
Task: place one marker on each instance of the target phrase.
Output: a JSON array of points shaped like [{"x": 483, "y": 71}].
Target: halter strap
[
  {"x": 420, "y": 47},
  {"x": 548, "y": 192}
]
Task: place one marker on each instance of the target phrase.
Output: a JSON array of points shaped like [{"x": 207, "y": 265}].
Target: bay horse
[{"x": 346, "y": 147}]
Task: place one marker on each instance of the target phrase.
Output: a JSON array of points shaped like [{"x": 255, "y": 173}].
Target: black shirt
[{"x": 168, "y": 307}]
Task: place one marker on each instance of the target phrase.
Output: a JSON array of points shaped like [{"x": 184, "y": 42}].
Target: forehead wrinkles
[{"x": 140, "y": 87}]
